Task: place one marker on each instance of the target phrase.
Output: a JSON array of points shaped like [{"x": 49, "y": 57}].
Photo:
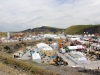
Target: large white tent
[
  {"x": 79, "y": 57},
  {"x": 54, "y": 46},
  {"x": 72, "y": 47},
  {"x": 47, "y": 48},
  {"x": 49, "y": 35},
  {"x": 41, "y": 45},
  {"x": 76, "y": 47},
  {"x": 73, "y": 39},
  {"x": 84, "y": 42},
  {"x": 56, "y": 37},
  {"x": 43, "y": 48},
  {"x": 36, "y": 57},
  {"x": 82, "y": 60}
]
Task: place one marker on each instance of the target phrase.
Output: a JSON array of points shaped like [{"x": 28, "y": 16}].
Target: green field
[{"x": 78, "y": 29}]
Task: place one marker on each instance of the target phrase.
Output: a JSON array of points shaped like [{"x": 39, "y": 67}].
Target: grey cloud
[{"x": 21, "y": 14}]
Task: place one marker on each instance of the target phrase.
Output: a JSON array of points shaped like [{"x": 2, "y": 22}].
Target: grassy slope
[
  {"x": 6, "y": 70},
  {"x": 77, "y": 29},
  {"x": 50, "y": 27},
  {"x": 43, "y": 27},
  {"x": 3, "y": 34},
  {"x": 23, "y": 66}
]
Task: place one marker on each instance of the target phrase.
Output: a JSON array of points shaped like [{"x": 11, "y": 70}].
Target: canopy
[
  {"x": 72, "y": 47},
  {"x": 36, "y": 57},
  {"x": 73, "y": 39},
  {"x": 82, "y": 60},
  {"x": 47, "y": 48},
  {"x": 76, "y": 47},
  {"x": 40, "y": 45}
]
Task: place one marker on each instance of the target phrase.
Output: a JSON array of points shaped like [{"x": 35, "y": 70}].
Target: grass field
[
  {"x": 6, "y": 70},
  {"x": 78, "y": 29}
]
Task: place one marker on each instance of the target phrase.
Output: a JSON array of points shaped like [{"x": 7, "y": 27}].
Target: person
[
  {"x": 68, "y": 58},
  {"x": 84, "y": 67},
  {"x": 71, "y": 44},
  {"x": 15, "y": 67},
  {"x": 75, "y": 64},
  {"x": 98, "y": 67},
  {"x": 19, "y": 54},
  {"x": 87, "y": 58},
  {"x": 63, "y": 44}
]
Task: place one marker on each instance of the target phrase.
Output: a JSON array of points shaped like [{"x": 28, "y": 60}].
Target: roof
[{"x": 40, "y": 45}]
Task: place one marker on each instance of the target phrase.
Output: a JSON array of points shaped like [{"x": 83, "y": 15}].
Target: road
[{"x": 92, "y": 65}]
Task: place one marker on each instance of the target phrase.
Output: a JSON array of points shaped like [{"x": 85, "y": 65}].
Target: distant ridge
[
  {"x": 80, "y": 29},
  {"x": 44, "y": 29},
  {"x": 75, "y": 29}
]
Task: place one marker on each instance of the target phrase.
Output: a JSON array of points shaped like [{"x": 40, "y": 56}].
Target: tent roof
[
  {"x": 44, "y": 46},
  {"x": 36, "y": 56},
  {"x": 72, "y": 47},
  {"x": 40, "y": 45},
  {"x": 73, "y": 39},
  {"x": 47, "y": 48},
  {"x": 76, "y": 47}
]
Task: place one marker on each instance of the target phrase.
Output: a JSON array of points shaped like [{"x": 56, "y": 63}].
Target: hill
[
  {"x": 80, "y": 29},
  {"x": 3, "y": 34},
  {"x": 45, "y": 29},
  {"x": 7, "y": 70}
]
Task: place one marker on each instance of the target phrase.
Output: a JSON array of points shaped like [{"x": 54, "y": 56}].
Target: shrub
[{"x": 7, "y": 47}]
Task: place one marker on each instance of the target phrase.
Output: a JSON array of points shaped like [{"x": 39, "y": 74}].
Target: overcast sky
[{"x": 17, "y": 15}]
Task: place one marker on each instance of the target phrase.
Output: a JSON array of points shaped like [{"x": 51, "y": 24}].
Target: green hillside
[
  {"x": 79, "y": 29},
  {"x": 3, "y": 34},
  {"x": 44, "y": 29},
  {"x": 50, "y": 27}
]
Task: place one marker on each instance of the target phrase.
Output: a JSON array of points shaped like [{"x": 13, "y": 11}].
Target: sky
[{"x": 18, "y": 15}]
